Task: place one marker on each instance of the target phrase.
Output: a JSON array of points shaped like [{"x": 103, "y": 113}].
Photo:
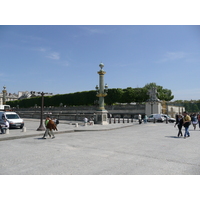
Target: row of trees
[
  {"x": 191, "y": 106},
  {"x": 115, "y": 95}
]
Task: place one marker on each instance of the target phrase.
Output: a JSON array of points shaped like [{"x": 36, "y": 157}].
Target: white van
[
  {"x": 157, "y": 117},
  {"x": 13, "y": 118},
  {"x": 4, "y": 107}
]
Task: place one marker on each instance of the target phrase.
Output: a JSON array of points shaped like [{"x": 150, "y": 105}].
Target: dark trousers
[{"x": 180, "y": 130}]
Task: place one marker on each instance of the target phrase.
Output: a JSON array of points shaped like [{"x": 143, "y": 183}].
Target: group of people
[
  {"x": 186, "y": 120},
  {"x": 140, "y": 119},
  {"x": 50, "y": 124},
  {"x": 91, "y": 120}
]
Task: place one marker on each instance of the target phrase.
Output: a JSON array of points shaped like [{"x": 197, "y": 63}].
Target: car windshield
[{"x": 12, "y": 116}]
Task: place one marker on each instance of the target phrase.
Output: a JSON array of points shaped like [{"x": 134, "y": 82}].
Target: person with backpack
[{"x": 50, "y": 126}]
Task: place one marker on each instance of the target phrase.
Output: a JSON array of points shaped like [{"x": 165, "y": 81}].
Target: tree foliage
[
  {"x": 163, "y": 94},
  {"x": 115, "y": 95},
  {"x": 192, "y": 106}
]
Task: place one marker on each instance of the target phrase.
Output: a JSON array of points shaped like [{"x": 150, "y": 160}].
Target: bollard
[
  {"x": 119, "y": 120},
  {"x": 76, "y": 124},
  {"x": 166, "y": 120},
  {"x": 154, "y": 120},
  {"x": 123, "y": 119},
  {"x": 110, "y": 120},
  {"x": 114, "y": 120},
  {"x": 24, "y": 129},
  {"x": 128, "y": 120},
  {"x": 7, "y": 131}
]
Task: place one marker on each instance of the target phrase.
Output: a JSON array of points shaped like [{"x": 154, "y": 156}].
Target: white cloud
[
  {"x": 42, "y": 49},
  {"x": 54, "y": 56},
  {"x": 174, "y": 55},
  {"x": 93, "y": 30},
  {"x": 170, "y": 56},
  {"x": 65, "y": 63}
]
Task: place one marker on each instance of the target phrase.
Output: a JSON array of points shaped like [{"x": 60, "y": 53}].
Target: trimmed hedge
[{"x": 88, "y": 98}]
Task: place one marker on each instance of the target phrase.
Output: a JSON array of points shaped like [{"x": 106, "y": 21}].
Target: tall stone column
[
  {"x": 101, "y": 113},
  {"x": 4, "y": 95}
]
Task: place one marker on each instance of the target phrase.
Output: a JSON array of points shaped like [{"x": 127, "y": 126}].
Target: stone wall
[{"x": 79, "y": 112}]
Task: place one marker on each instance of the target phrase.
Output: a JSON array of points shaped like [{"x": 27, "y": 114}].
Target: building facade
[{"x": 5, "y": 96}]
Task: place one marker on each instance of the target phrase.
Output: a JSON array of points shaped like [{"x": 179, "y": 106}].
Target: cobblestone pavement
[{"x": 133, "y": 150}]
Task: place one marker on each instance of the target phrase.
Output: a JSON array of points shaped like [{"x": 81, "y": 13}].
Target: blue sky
[{"x": 65, "y": 59}]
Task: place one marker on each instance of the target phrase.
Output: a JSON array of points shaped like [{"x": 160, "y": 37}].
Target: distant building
[
  {"x": 20, "y": 95},
  {"x": 26, "y": 95},
  {"x": 9, "y": 97}
]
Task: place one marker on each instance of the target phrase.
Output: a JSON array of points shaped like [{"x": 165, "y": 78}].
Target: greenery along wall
[{"x": 115, "y": 95}]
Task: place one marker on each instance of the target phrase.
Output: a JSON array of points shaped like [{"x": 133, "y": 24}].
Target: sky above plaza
[{"x": 65, "y": 58}]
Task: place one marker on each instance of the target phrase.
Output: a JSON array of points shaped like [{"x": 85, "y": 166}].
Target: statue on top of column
[{"x": 152, "y": 94}]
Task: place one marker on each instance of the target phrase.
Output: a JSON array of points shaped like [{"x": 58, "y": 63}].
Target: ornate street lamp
[
  {"x": 41, "y": 127},
  {"x": 101, "y": 114},
  {"x": 4, "y": 95}
]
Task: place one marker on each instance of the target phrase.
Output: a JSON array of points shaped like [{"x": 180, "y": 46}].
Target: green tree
[
  {"x": 128, "y": 95},
  {"x": 163, "y": 94},
  {"x": 114, "y": 96},
  {"x": 140, "y": 95}
]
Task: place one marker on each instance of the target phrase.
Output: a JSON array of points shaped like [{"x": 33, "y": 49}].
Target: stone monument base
[
  {"x": 153, "y": 108},
  {"x": 101, "y": 117}
]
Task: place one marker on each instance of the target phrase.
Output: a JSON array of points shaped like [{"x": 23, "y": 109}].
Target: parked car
[
  {"x": 170, "y": 119},
  {"x": 13, "y": 118},
  {"x": 157, "y": 117}
]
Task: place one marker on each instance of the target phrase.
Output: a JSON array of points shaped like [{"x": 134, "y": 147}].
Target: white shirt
[{"x": 7, "y": 124}]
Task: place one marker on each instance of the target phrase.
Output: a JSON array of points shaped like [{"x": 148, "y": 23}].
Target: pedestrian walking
[
  {"x": 198, "y": 117},
  {"x": 145, "y": 119},
  {"x": 47, "y": 131},
  {"x": 140, "y": 119},
  {"x": 4, "y": 126},
  {"x": 186, "y": 124},
  {"x": 179, "y": 123},
  {"x": 194, "y": 120},
  {"x": 51, "y": 126},
  {"x": 56, "y": 121}
]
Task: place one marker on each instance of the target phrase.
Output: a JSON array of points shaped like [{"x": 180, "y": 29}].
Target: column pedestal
[{"x": 101, "y": 117}]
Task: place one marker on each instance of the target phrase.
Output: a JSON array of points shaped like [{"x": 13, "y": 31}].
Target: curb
[{"x": 61, "y": 132}]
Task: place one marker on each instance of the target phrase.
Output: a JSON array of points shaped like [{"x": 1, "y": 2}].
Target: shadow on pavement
[{"x": 174, "y": 137}]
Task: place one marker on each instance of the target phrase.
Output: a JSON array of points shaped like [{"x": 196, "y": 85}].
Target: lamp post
[
  {"x": 4, "y": 95},
  {"x": 101, "y": 114},
  {"x": 41, "y": 127}
]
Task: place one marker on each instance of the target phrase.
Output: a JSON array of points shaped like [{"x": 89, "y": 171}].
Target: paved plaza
[{"x": 116, "y": 149}]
